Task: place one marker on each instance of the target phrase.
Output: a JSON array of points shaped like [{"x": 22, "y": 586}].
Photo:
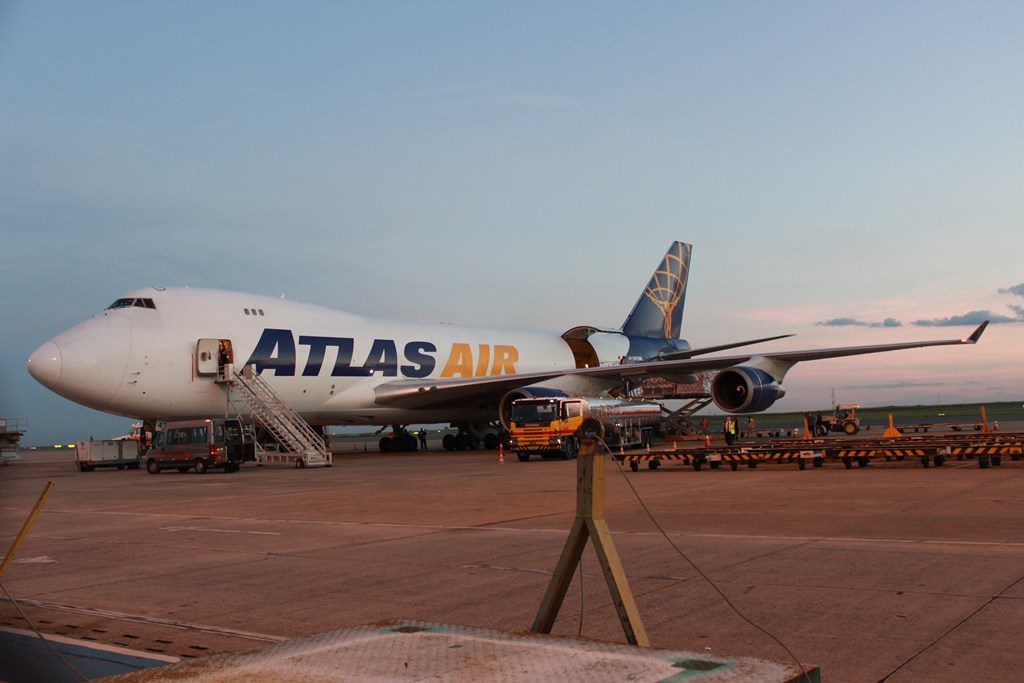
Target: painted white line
[
  {"x": 559, "y": 530},
  {"x": 219, "y": 531},
  {"x": 141, "y": 619}
]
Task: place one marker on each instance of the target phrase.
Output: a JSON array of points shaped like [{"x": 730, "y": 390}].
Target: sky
[{"x": 849, "y": 172}]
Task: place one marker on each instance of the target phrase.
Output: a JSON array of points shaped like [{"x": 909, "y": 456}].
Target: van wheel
[
  {"x": 152, "y": 467},
  {"x": 299, "y": 463},
  {"x": 201, "y": 466},
  {"x": 183, "y": 470}
]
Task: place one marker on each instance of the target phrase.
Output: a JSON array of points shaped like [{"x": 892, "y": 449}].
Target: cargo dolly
[{"x": 987, "y": 449}]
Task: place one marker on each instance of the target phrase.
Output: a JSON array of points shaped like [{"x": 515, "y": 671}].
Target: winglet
[{"x": 976, "y": 335}]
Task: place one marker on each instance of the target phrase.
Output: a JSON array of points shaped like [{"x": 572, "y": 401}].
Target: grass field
[{"x": 964, "y": 413}]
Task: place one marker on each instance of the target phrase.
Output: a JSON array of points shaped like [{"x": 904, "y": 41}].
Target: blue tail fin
[{"x": 658, "y": 312}]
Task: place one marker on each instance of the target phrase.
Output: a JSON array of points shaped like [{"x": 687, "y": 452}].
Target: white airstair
[{"x": 301, "y": 445}]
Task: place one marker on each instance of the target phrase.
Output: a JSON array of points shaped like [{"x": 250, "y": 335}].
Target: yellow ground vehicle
[
  {"x": 548, "y": 426},
  {"x": 843, "y": 419}
]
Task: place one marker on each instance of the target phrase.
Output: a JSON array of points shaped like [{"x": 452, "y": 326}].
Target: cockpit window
[{"x": 136, "y": 303}]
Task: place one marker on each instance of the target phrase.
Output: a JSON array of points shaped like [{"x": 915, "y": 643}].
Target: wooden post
[
  {"x": 24, "y": 529},
  {"x": 590, "y": 523}
]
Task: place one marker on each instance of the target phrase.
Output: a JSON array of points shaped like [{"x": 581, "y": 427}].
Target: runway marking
[
  {"x": 219, "y": 531},
  {"x": 142, "y": 619},
  {"x": 559, "y": 530}
]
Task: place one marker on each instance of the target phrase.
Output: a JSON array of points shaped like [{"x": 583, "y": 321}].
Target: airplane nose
[{"x": 44, "y": 364}]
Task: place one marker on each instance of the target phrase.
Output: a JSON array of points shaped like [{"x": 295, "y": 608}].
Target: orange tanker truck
[{"x": 549, "y": 426}]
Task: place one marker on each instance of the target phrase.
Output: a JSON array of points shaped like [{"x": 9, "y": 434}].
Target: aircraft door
[
  {"x": 206, "y": 357},
  {"x": 214, "y": 357}
]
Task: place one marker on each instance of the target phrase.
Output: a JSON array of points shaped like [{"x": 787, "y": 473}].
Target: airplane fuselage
[{"x": 141, "y": 362}]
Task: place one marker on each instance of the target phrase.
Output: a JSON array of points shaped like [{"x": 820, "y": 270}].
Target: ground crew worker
[
  {"x": 819, "y": 426},
  {"x": 704, "y": 425},
  {"x": 750, "y": 426},
  {"x": 730, "y": 430},
  {"x": 423, "y": 439}
]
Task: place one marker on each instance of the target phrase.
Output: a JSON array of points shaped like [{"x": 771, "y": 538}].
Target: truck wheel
[
  {"x": 524, "y": 456},
  {"x": 200, "y": 465},
  {"x": 851, "y": 428},
  {"x": 152, "y": 467}
]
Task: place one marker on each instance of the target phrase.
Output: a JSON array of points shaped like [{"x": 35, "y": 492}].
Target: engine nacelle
[
  {"x": 505, "y": 404},
  {"x": 743, "y": 389}
]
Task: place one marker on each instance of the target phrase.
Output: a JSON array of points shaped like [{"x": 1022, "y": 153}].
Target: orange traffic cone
[
  {"x": 707, "y": 441},
  {"x": 622, "y": 453},
  {"x": 501, "y": 454}
]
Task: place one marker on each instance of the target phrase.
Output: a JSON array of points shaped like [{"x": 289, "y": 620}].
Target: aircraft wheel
[
  {"x": 462, "y": 441},
  {"x": 409, "y": 443},
  {"x": 448, "y": 442},
  {"x": 490, "y": 441},
  {"x": 384, "y": 445},
  {"x": 200, "y": 466},
  {"x": 524, "y": 456},
  {"x": 152, "y": 467}
]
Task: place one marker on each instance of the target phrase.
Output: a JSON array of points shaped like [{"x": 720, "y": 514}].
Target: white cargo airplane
[{"x": 152, "y": 355}]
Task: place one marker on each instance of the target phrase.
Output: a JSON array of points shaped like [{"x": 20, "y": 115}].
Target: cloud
[
  {"x": 1016, "y": 289},
  {"x": 969, "y": 318},
  {"x": 845, "y": 322}
]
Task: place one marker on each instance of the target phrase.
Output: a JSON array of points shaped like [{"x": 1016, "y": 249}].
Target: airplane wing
[{"x": 440, "y": 393}]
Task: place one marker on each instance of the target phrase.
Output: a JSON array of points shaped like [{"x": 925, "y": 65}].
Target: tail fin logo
[{"x": 668, "y": 284}]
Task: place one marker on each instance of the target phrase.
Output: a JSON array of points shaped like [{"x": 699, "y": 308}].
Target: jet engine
[
  {"x": 743, "y": 389},
  {"x": 505, "y": 404}
]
